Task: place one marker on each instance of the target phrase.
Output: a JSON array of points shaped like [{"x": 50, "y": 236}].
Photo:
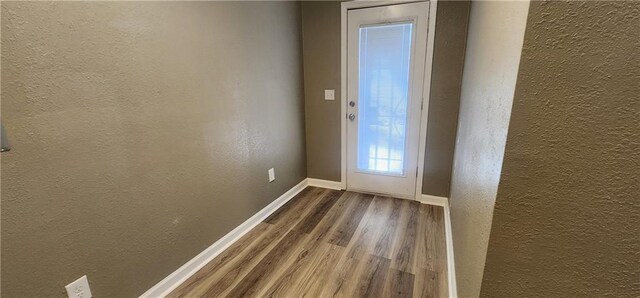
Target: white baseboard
[
  {"x": 451, "y": 266},
  {"x": 433, "y": 200},
  {"x": 169, "y": 283},
  {"x": 325, "y": 183}
]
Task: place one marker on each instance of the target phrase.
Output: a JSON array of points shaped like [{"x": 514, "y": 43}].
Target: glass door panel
[{"x": 384, "y": 62}]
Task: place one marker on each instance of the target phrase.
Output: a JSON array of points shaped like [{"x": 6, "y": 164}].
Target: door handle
[{"x": 351, "y": 116}]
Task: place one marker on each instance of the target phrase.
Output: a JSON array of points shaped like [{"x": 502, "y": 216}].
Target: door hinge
[{"x": 422, "y": 104}]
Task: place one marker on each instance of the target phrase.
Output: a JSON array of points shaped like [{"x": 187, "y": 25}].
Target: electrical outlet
[
  {"x": 79, "y": 288},
  {"x": 272, "y": 175}
]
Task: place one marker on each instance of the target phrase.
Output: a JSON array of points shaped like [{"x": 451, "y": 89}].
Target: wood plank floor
[{"x": 329, "y": 243}]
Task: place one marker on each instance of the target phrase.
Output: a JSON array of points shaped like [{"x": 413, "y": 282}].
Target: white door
[{"x": 386, "y": 49}]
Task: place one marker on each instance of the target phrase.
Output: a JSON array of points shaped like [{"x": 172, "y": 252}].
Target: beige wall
[
  {"x": 496, "y": 31},
  {"x": 321, "y": 51},
  {"x": 568, "y": 210},
  {"x": 321, "y": 31},
  {"x": 444, "y": 99},
  {"x": 142, "y": 132}
]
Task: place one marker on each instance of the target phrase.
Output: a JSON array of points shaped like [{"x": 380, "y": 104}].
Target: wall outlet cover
[
  {"x": 79, "y": 288},
  {"x": 329, "y": 94},
  {"x": 272, "y": 175}
]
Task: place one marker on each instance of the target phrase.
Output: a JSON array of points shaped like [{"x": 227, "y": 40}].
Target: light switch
[{"x": 329, "y": 94}]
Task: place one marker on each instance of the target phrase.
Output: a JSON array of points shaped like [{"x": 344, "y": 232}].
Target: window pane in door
[{"x": 383, "y": 93}]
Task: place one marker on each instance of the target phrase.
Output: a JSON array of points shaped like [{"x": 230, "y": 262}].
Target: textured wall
[
  {"x": 321, "y": 31},
  {"x": 444, "y": 99},
  {"x": 142, "y": 132},
  {"x": 321, "y": 47},
  {"x": 568, "y": 210},
  {"x": 496, "y": 31}
]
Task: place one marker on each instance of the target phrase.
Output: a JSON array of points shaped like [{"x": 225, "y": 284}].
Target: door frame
[{"x": 345, "y": 6}]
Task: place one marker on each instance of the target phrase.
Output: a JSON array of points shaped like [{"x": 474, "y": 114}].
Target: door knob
[{"x": 351, "y": 116}]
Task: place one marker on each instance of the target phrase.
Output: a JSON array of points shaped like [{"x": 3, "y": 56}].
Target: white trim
[
  {"x": 169, "y": 283},
  {"x": 426, "y": 94},
  {"x": 433, "y": 200},
  {"x": 451, "y": 266},
  {"x": 375, "y": 3},
  {"x": 343, "y": 91},
  {"x": 324, "y": 183},
  {"x": 345, "y": 6}
]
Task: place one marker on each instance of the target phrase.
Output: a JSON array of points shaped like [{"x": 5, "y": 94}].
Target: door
[{"x": 386, "y": 49}]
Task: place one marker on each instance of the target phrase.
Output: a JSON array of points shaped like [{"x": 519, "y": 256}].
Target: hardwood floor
[{"x": 329, "y": 243}]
